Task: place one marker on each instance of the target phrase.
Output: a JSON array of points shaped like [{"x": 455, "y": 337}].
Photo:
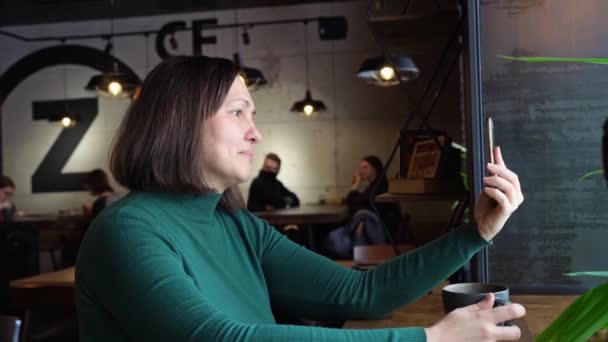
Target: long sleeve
[
  {"x": 314, "y": 287},
  {"x": 134, "y": 269}
]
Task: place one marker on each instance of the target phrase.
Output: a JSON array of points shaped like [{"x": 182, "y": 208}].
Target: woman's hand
[
  {"x": 477, "y": 322},
  {"x": 500, "y": 198}
]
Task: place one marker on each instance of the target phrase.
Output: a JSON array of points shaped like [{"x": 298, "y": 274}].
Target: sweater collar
[{"x": 194, "y": 205}]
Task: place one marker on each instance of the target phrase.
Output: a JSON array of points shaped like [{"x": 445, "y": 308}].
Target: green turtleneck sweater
[{"x": 174, "y": 267}]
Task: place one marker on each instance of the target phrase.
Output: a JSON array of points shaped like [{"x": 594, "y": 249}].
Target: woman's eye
[{"x": 237, "y": 112}]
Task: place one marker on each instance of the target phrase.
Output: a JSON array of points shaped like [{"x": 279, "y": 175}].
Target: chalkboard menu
[{"x": 548, "y": 120}]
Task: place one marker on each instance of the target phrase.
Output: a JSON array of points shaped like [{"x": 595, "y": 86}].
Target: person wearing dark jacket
[
  {"x": 267, "y": 192},
  {"x": 364, "y": 227},
  {"x": 369, "y": 176}
]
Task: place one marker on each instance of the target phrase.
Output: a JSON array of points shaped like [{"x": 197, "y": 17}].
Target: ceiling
[{"x": 28, "y": 12}]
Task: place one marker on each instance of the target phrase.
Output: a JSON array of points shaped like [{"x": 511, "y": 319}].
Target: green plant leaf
[
  {"x": 591, "y": 60},
  {"x": 581, "y": 319},
  {"x": 591, "y": 273},
  {"x": 589, "y": 174}
]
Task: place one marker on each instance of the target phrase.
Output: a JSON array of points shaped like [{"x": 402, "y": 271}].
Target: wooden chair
[
  {"x": 9, "y": 329},
  {"x": 377, "y": 254}
]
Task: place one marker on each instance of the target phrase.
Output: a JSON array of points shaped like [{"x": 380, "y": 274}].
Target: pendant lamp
[
  {"x": 112, "y": 83},
  {"x": 386, "y": 72},
  {"x": 308, "y": 106},
  {"x": 64, "y": 116},
  {"x": 65, "y": 119},
  {"x": 253, "y": 77}
]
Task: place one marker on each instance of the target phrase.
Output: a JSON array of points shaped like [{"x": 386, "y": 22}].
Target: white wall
[{"x": 319, "y": 154}]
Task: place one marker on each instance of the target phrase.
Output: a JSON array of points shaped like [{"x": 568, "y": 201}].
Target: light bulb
[
  {"x": 66, "y": 122},
  {"x": 114, "y": 88},
  {"x": 308, "y": 109},
  {"x": 387, "y": 73}
]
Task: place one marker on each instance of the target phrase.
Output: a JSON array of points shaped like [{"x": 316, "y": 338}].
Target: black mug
[{"x": 464, "y": 294}]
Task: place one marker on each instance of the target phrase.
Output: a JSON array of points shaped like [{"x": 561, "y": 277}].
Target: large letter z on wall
[{"x": 48, "y": 176}]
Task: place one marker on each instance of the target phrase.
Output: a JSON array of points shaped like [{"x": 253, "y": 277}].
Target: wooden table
[
  {"x": 306, "y": 216},
  {"x": 36, "y": 232},
  {"x": 53, "y": 288},
  {"x": 541, "y": 311}
]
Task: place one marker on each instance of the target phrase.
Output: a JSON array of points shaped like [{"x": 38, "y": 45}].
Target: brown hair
[
  {"x": 376, "y": 163},
  {"x": 158, "y": 146},
  {"x": 97, "y": 182},
  {"x": 274, "y": 157}
]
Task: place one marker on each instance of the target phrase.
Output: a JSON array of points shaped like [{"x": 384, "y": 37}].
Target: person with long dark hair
[
  {"x": 369, "y": 175},
  {"x": 364, "y": 226},
  {"x": 180, "y": 258}
]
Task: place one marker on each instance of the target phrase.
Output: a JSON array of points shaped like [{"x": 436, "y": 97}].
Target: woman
[
  {"x": 369, "y": 176},
  {"x": 96, "y": 182},
  {"x": 180, "y": 259},
  {"x": 363, "y": 226}
]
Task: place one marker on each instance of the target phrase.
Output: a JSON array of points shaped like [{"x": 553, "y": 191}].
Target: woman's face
[
  {"x": 367, "y": 171},
  {"x": 228, "y": 139}
]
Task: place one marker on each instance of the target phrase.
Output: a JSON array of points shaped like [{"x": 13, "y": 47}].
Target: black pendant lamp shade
[
  {"x": 308, "y": 106},
  {"x": 379, "y": 70},
  {"x": 113, "y": 84},
  {"x": 253, "y": 77}
]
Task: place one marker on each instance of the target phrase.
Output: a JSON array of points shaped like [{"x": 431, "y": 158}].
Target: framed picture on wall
[{"x": 425, "y": 158}]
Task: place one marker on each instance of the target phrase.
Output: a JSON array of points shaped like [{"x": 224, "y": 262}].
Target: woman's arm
[
  {"x": 312, "y": 286},
  {"x": 130, "y": 269}
]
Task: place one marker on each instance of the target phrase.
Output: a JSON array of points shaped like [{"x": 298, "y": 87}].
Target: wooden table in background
[
  {"x": 541, "y": 311},
  {"x": 50, "y": 290},
  {"x": 306, "y": 216},
  {"x": 34, "y": 233},
  {"x": 53, "y": 288}
]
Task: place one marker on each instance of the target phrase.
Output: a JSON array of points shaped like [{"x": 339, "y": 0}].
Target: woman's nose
[{"x": 253, "y": 134}]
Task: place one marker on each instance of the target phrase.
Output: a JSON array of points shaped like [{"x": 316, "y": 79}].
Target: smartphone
[{"x": 490, "y": 127}]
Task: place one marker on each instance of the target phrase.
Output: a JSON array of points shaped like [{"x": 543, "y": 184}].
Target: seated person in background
[
  {"x": 7, "y": 208},
  {"x": 364, "y": 226},
  {"x": 366, "y": 177},
  {"x": 267, "y": 192},
  {"x": 96, "y": 182}
]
